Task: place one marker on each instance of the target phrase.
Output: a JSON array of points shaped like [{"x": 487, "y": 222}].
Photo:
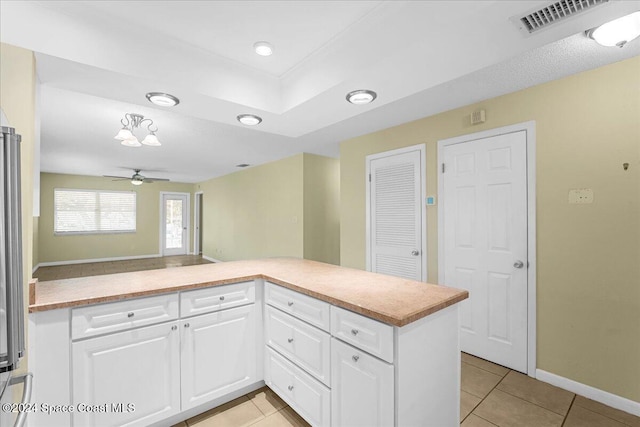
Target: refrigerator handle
[{"x": 27, "y": 379}]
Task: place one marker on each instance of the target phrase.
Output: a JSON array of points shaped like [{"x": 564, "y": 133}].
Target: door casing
[
  {"x": 530, "y": 129},
  {"x": 423, "y": 195}
]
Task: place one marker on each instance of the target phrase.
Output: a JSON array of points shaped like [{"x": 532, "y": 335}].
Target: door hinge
[{"x": 443, "y": 168}]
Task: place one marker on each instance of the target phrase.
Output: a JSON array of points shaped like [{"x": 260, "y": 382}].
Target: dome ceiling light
[
  {"x": 162, "y": 99},
  {"x": 263, "y": 48},
  {"x": 249, "y": 119},
  {"x": 361, "y": 97},
  {"x": 618, "y": 32}
]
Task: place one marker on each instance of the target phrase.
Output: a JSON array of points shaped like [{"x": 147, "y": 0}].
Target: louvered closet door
[{"x": 396, "y": 216}]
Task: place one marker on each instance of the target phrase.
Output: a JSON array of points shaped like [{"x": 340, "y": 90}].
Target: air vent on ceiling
[{"x": 542, "y": 18}]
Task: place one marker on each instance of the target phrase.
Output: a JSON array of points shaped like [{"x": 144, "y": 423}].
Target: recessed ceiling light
[
  {"x": 361, "y": 96},
  {"x": 617, "y": 32},
  {"x": 249, "y": 119},
  {"x": 263, "y": 48},
  {"x": 162, "y": 99}
]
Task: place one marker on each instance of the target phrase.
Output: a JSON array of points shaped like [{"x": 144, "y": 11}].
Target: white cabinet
[
  {"x": 140, "y": 367},
  {"x": 362, "y": 388},
  {"x": 218, "y": 354},
  {"x": 306, "y": 395}
]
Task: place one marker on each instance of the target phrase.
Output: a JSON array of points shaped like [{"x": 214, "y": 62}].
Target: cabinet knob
[
  {"x": 186, "y": 325},
  {"x": 130, "y": 314},
  {"x": 290, "y": 303},
  {"x": 290, "y": 387},
  {"x": 174, "y": 327},
  {"x": 354, "y": 331},
  {"x": 290, "y": 340},
  {"x": 355, "y": 358}
]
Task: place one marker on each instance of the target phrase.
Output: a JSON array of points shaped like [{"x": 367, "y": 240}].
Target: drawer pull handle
[
  {"x": 186, "y": 325},
  {"x": 290, "y": 340},
  {"x": 174, "y": 327},
  {"x": 354, "y": 332},
  {"x": 290, "y": 303},
  {"x": 222, "y": 298},
  {"x": 130, "y": 314},
  {"x": 355, "y": 358},
  {"x": 290, "y": 387}
]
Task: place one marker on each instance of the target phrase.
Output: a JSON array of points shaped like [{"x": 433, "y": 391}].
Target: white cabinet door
[
  {"x": 218, "y": 354},
  {"x": 361, "y": 388},
  {"x": 129, "y": 378}
]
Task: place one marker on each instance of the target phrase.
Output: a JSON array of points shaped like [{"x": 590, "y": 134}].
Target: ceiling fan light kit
[{"x": 133, "y": 121}]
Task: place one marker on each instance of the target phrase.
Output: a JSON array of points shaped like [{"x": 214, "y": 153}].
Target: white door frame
[
  {"x": 530, "y": 130},
  {"x": 197, "y": 221},
  {"x": 162, "y": 228},
  {"x": 423, "y": 196}
]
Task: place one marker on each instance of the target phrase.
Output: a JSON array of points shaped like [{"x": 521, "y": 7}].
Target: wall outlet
[{"x": 580, "y": 195}]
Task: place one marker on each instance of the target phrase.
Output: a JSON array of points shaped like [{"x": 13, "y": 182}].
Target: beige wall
[
  {"x": 17, "y": 100},
  {"x": 289, "y": 207},
  {"x": 255, "y": 212},
  {"x": 587, "y": 126},
  {"x": 145, "y": 241},
  {"x": 321, "y": 208}
]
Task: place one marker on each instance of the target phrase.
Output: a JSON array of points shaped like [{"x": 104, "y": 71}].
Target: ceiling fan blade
[
  {"x": 154, "y": 179},
  {"x": 113, "y": 176}
]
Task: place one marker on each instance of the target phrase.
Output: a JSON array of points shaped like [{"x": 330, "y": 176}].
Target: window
[{"x": 94, "y": 211}]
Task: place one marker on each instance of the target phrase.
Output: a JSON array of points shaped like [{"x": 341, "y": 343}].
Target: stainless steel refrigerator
[{"x": 11, "y": 277}]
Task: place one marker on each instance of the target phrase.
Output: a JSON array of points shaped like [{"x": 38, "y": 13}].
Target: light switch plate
[{"x": 580, "y": 195}]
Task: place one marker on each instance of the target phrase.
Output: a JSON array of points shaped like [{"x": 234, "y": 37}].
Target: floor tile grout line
[
  {"x": 603, "y": 415},
  {"x": 485, "y": 370},
  {"x": 533, "y": 403},
  {"x": 490, "y": 422},
  {"x": 483, "y": 399},
  {"x": 568, "y": 410}
]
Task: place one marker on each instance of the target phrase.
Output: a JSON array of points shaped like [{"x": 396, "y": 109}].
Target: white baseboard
[
  {"x": 208, "y": 258},
  {"x": 609, "y": 399},
  {"x": 85, "y": 261},
  {"x": 35, "y": 267}
]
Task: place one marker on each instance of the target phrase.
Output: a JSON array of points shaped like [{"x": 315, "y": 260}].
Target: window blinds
[{"x": 94, "y": 211}]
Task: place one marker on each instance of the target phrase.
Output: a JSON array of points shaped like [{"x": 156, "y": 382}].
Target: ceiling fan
[{"x": 136, "y": 178}]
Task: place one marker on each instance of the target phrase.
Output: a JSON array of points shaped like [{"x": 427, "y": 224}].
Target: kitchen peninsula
[{"x": 340, "y": 346}]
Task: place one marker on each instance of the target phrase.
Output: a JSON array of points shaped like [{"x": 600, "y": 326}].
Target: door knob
[
  {"x": 415, "y": 252},
  {"x": 518, "y": 264}
]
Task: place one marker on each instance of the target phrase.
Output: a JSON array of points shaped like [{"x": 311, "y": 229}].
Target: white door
[
  {"x": 140, "y": 367},
  {"x": 197, "y": 224},
  {"x": 218, "y": 354},
  {"x": 484, "y": 225},
  {"x": 175, "y": 214},
  {"x": 361, "y": 388},
  {"x": 395, "y": 213}
]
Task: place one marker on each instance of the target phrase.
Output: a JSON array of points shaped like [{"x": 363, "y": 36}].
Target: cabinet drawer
[
  {"x": 303, "y": 307},
  {"x": 306, "y": 346},
  {"x": 307, "y": 396},
  {"x": 122, "y": 315},
  {"x": 365, "y": 333},
  {"x": 216, "y": 298}
]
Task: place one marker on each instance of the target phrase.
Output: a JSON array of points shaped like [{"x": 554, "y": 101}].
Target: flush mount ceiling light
[
  {"x": 132, "y": 121},
  {"x": 249, "y": 119},
  {"x": 263, "y": 48},
  {"x": 162, "y": 99},
  {"x": 617, "y": 32},
  {"x": 362, "y": 96}
]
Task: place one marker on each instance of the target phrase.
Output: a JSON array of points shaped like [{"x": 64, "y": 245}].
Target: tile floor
[
  {"x": 491, "y": 395},
  {"x": 98, "y": 268}
]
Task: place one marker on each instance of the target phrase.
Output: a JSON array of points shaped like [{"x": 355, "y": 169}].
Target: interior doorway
[{"x": 197, "y": 223}]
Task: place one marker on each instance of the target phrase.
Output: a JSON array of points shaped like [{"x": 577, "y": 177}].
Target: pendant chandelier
[{"x": 132, "y": 121}]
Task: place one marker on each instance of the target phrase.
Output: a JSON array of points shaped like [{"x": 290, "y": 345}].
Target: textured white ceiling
[{"x": 97, "y": 60}]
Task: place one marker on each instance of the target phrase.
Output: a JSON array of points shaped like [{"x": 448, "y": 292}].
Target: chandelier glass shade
[{"x": 132, "y": 121}]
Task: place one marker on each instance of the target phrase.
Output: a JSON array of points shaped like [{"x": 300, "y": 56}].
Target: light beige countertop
[{"x": 389, "y": 299}]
